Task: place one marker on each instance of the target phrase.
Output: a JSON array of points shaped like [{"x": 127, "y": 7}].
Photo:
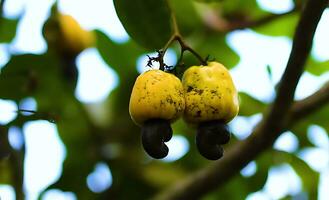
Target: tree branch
[
  {"x": 272, "y": 124},
  {"x": 219, "y": 24},
  {"x": 16, "y": 161},
  {"x": 302, "y": 108},
  {"x": 219, "y": 172},
  {"x": 17, "y": 169},
  {"x": 257, "y": 22}
]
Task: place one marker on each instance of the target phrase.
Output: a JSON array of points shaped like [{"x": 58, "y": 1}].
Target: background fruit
[{"x": 67, "y": 36}]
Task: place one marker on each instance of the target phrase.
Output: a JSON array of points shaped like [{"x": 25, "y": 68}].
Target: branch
[
  {"x": 257, "y": 22},
  {"x": 302, "y": 108},
  {"x": 220, "y": 24},
  {"x": 272, "y": 125},
  {"x": 17, "y": 169},
  {"x": 16, "y": 161},
  {"x": 4, "y": 144},
  {"x": 215, "y": 175}
]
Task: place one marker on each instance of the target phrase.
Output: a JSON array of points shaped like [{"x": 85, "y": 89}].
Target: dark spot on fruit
[
  {"x": 189, "y": 88},
  {"x": 199, "y": 91}
]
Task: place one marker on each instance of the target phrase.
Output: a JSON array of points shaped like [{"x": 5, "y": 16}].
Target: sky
[{"x": 96, "y": 80}]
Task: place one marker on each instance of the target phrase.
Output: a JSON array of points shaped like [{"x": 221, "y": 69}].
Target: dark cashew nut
[
  {"x": 155, "y": 133},
  {"x": 210, "y": 136}
]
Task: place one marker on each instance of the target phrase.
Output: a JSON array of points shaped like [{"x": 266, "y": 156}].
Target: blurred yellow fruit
[{"x": 64, "y": 33}]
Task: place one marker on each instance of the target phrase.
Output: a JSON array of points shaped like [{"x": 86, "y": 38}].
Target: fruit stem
[
  {"x": 185, "y": 47},
  {"x": 176, "y": 36}
]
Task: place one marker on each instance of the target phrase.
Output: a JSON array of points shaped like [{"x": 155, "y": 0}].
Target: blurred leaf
[
  {"x": 27, "y": 75},
  {"x": 216, "y": 47},
  {"x": 249, "y": 105},
  {"x": 245, "y": 185},
  {"x": 5, "y": 171},
  {"x": 188, "y": 19},
  {"x": 235, "y": 189},
  {"x": 283, "y": 26},
  {"x": 300, "y": 130},
  {"x": 121, "y": 57},
  {"x": 269, "y": 72},
  {"x": 208, "y": 1},
  {"x": 316, "y": 67},
  {"x": 7, "y": 29},
  {"x": 320, "y": 118},
  {"x": 241, "y": 9},
  {"x": 148, "y": 22},
  {"x": 81, "y": 155},
  {"x": 309, "y": 177},
  {"x": 162, "y": 175},
  {"x": 258, "y": 180}
]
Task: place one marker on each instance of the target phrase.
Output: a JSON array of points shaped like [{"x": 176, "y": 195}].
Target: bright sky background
[{"x": 45, "y": 151}]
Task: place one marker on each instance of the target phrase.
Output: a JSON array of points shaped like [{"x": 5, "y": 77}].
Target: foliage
[{"x": 150, "y": 25}]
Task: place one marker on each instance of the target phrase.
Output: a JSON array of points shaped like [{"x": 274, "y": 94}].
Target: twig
[
  {"x": 272, "y": 125},
  {"x": 176, "y": 36}
]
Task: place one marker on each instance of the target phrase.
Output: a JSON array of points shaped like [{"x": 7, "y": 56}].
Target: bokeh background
[{"x": 98, "y": 140}]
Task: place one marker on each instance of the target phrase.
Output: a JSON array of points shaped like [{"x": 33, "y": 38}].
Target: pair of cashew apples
[{"x": 206, "y": 98}]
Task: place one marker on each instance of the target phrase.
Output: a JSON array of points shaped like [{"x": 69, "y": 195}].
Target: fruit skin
[
  {"x": 65, "y": 34},
  {"x": 156, "y": 95},
  {"x": 210, "y": 94}
]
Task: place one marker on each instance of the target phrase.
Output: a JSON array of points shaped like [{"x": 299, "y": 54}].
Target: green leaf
[
  {"x": 208, "y": 1},
  {"x": 148, "y": 22},
  {"x": 32, "y": 75},
  {"x": 320, "y": 118},
  {"x": 309, "y": 177},
  {"x": 300, "y": 130},
  {"x": 249, "y": 105},
  {"x": 316, "y": 67},
  {"x": 7, "y": 29},
  {"x": 20, "y": 76},
  {"x": 215, "y": 46},
  {"x": 121, "y": 57},
  {"x": 269, "y": 72},
  {"x": 258, "y": 180},
  {"x": 189, "y": 21},
  {"x": 237, "y": 9},
  {"x": 5, "y": 171},
  {"x": 283, "y": 26}
]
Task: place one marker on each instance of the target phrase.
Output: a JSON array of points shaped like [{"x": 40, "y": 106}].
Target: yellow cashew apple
[
  {"x": 211, "y": 101},
  {"x": 157, "y": 99},
  {"x": 209, "y": 94}
]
